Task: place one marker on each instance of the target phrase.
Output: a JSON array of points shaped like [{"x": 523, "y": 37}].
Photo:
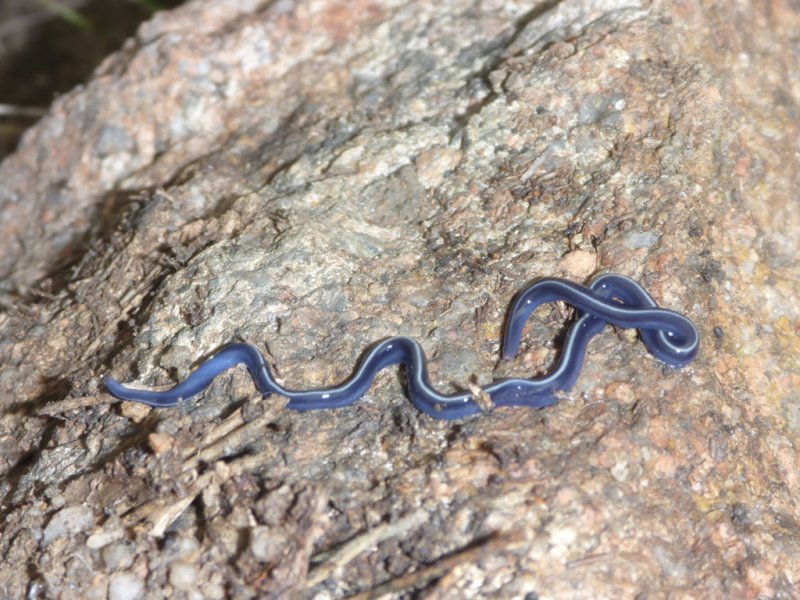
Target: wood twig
[
  {"x": 497, "y": 543},
  {"x": 56, "y": 408},
  {"x": 161, "y": 513},
  {"x": 131, "y": 298},
  {"x": 350, "y": 550},
  {"x": 229, "y": 437},
  {"x": 225, "y": 439}
]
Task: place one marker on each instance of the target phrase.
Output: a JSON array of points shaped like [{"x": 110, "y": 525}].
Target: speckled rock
[{"x": 314, "y": 176}]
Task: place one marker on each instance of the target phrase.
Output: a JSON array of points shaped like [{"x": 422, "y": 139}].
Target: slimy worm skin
[{"x": 609, "y": 299}]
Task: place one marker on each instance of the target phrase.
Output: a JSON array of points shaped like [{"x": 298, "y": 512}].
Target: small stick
[
  {"x": 496, "y": 543},
  {"x": 129, "y": 299},
  {"x": 69, "y": 404},
  {"x": 350, "y": 550},
  {"x": 161, "y": 513},
  {"x": 481, "y": 397},
  {"x": 230, "y": 436},
  {"x": 233, "y": 422}
]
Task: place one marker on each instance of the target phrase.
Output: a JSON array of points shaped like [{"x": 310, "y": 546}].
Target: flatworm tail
[{"x": 610, "y": 298}]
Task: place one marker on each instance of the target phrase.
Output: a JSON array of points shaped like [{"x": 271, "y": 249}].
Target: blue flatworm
[{"x": 610, "y": 298}]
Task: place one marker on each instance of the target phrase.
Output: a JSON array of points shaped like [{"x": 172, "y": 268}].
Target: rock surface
[{"x": 313, "y": 176}]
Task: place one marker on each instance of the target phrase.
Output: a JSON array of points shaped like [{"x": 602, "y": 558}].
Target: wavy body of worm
[{"x": 609, "y": 299}]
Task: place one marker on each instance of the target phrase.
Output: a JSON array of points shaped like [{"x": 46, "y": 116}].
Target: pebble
[
  {"x": 563, "y": 537},
  {"x": 125, "y": 586},
  {"x": 69, "y": 521},
  {"x": 160, "y": 442},
  {"x": 637, "y": 239},
  {"x": 118, "y": 556},
  {"x": 111, "y": 531},
  {"x": 579, "y": 264},
  {"x": 266, "y": 543},
  {"x": 135, "y": 411},
  {"x": 433, "y": 164},
  {"x": 620, "y": 391},
  {"x": 182, "y": 575}
]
